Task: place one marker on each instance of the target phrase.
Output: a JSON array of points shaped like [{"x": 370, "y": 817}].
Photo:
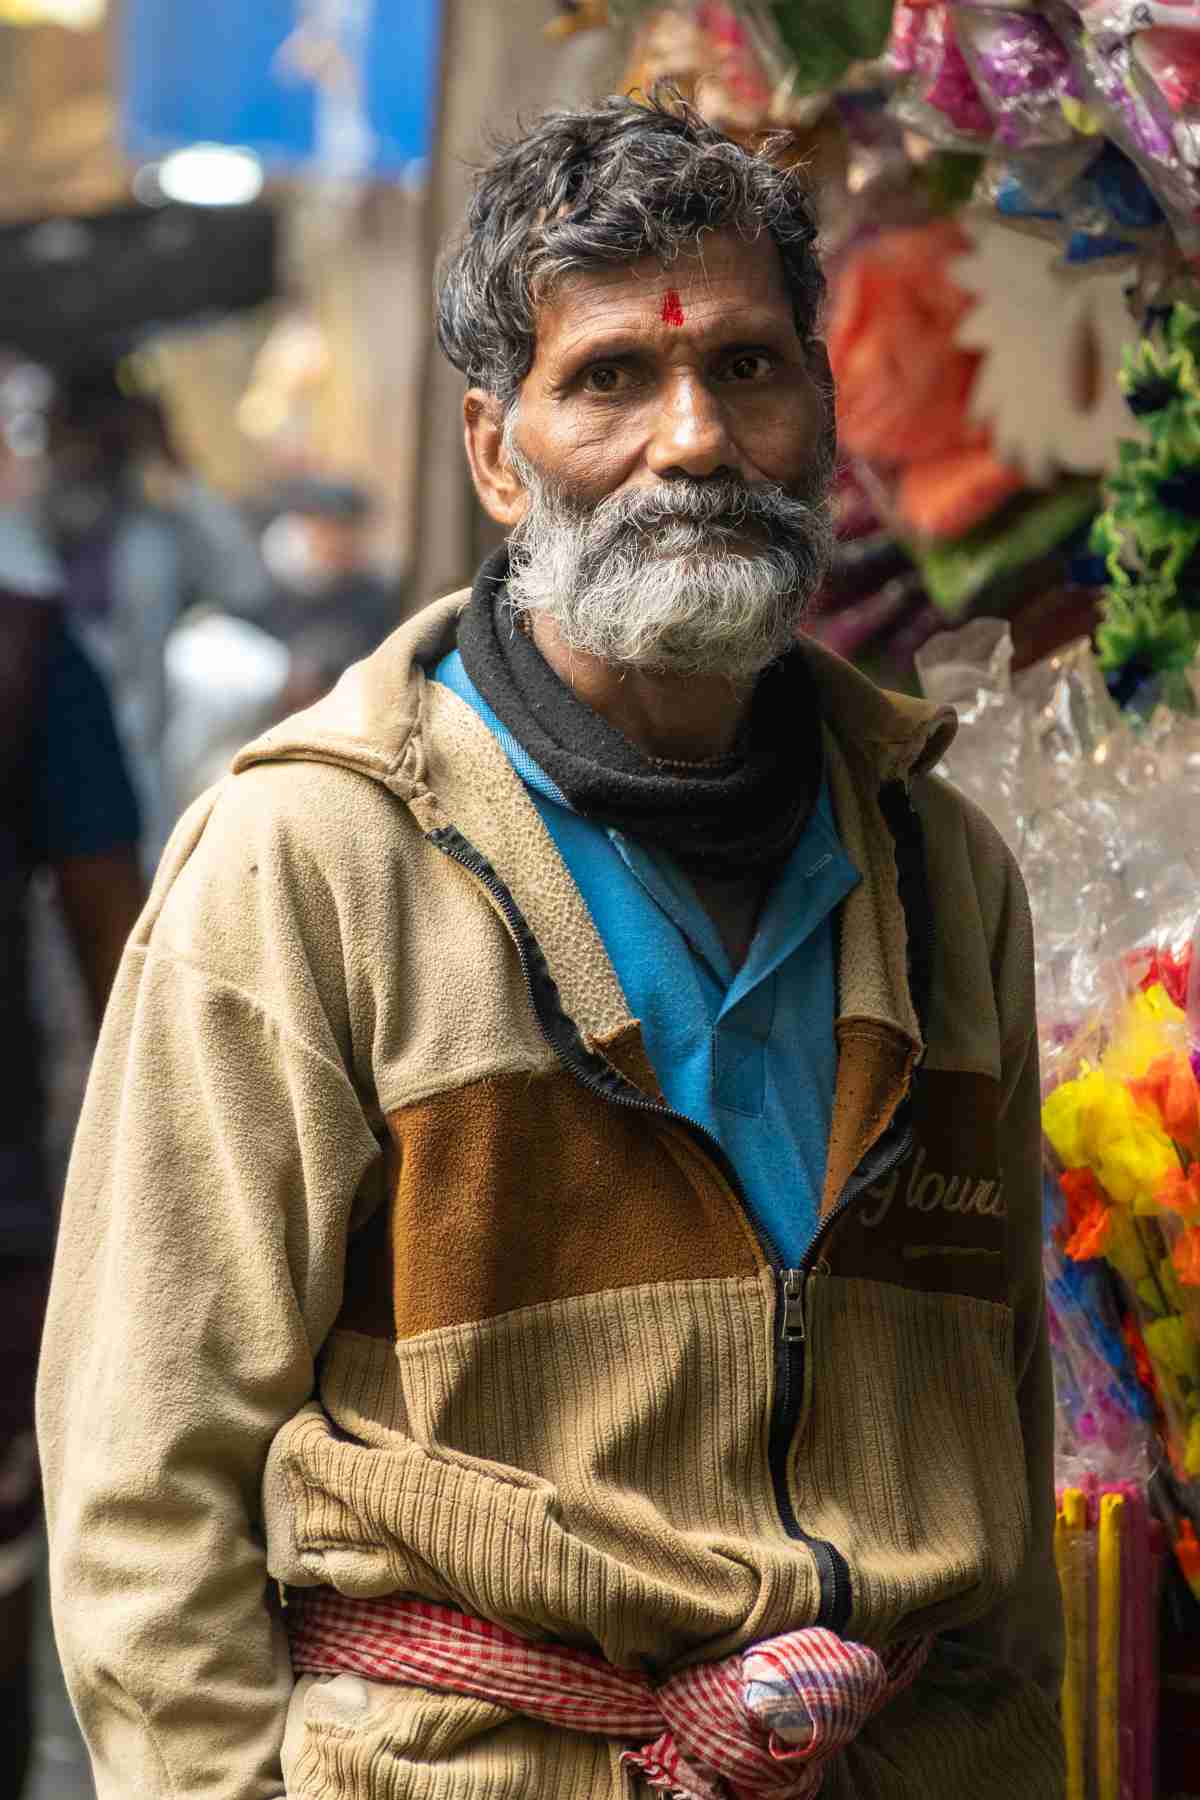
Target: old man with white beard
[{"x": 549, "y": 1297}]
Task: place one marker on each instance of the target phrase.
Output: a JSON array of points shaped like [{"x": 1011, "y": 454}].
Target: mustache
[{"x": 719, "y": 510}]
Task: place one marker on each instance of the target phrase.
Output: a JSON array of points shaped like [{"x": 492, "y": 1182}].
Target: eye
[
  {"x": 605, "y": 378},
  {"x": 747, "y": 365}
]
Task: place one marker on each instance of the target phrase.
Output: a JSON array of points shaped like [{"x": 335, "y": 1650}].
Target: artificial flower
[
  {"x": 902, "y": 385},
  {"x": 1150, "y": 1025},
  {"x": 1185, "y": 1257},
  {"x": 1081, "y": 1191},
  {"x": 1168, "y": 971},
  {"x": 1191, "y": 1464},
  {"x": 1092, "y": 1233},
  {"x": 1132, "y": 1162},
  {"x": 1135, "y": 1343},
  {"x": 1168, "y": 1091},
  {"x": 947, "y": 496},
  {"x": 1155, "y": 1002},
  {"x": 1094, "y": 1120},
  {"x": 1173, "y": 1348},
  {"x": 1180, "y": 1192},
  {"x": 1065, "y": 1119}
]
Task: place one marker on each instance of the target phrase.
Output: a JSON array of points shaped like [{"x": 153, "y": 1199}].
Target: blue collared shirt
[{"x": 748, "y": 1053}]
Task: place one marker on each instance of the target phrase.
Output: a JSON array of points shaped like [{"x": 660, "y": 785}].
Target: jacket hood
[{"x": 371, "y": 720}]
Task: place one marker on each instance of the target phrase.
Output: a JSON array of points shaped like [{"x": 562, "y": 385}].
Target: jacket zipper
[
  {"x": 608, "y": 1084},
  {"x": 836, "y": 1590}
]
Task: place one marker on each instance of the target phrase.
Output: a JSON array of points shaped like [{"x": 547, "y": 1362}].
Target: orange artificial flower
[
  {"x": 1089, "y": 1215},
  {"x": 1090, "y": 1237},
  {"x": 1168, "y": 1090},
  {"x": 1081, "y": 1191},
  {"x": 1186, "y": 1257},
  {"x": 1135, "y": 1343},
  {"x": 945, "y": 496},
  {"x": 902, "y": 386},
  {"x": 1180, "y": 1193}
]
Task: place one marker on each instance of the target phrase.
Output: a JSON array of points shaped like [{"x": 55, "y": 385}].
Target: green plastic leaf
[
  {"x": 956, "y": 574},
  {"x": 949, "y": 178},
  {"x": 825, "y": 36}
]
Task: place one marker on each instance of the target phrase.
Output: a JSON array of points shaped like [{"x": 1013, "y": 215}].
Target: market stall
[{"x": 1011, "y": 208}]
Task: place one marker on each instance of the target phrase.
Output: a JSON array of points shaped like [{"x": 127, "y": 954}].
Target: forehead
[{"x": 725, "y": 279}]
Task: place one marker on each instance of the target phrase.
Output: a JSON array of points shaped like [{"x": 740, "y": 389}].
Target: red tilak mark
[{"x": 672, "y": 312}]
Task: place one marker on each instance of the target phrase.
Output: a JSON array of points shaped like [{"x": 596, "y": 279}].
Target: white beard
[{"x": 671, "y": 578}]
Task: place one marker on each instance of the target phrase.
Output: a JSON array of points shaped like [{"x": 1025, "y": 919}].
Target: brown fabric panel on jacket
[
  {"x": 938, "y": 1222},
  {"x": 626, "y": 1051},
  {"x": 872, "y": 1072},
  {"x": 519, "y": 1189}
]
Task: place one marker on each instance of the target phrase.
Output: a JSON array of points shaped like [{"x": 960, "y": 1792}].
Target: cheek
[
  {"x": 779, "y": 434},
  {"x": 592, "y": 456}
]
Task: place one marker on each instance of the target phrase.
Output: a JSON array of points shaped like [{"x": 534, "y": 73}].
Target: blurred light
[
  {"x": 210, "y": 175},
  {"x": 26, "y": 434},
  {"x": 146, "y": 186},
  {"x": 76, "y": 15}
]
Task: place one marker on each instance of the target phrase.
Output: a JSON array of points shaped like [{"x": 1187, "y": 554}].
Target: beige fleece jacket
[{"x": 382, "y": 1266}]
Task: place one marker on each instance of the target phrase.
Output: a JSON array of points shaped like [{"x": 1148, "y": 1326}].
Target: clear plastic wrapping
[
  {"x": 1103, "y": 814},
  {"x": 1022, "y": 71}
]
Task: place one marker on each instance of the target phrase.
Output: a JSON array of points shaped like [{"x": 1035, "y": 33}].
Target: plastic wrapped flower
[
  {"x": 1173, "y": 1348},
  {"x": 1185, "y": 1257},
  {"x": 904, "y": 385},
  {"x": 1094, "y": 1121},
  {"x": 1179, "y": 1192},
  {"x": 1191, "y": 1463},
  {"x": 1168, "y": 1092}
]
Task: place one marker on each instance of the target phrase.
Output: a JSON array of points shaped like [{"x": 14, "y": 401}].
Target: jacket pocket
[{"x": 352, "y": 1739}]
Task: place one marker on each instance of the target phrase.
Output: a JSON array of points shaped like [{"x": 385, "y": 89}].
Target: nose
[{"x": 691, "y": 437}]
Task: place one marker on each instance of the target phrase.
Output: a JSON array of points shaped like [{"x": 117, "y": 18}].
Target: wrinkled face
[
  {"x": 672, "y": 444},
  {"x": 643, "y": 374}
]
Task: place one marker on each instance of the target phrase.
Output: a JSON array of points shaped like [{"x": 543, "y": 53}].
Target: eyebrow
[{"x": 617, "y": 342}]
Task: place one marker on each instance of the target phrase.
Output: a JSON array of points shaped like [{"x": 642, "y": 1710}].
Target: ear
[{"x": 501, "y": 493}]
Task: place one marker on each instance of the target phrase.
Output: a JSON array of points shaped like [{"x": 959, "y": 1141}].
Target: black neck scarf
[{"x": 738, "y": 817}]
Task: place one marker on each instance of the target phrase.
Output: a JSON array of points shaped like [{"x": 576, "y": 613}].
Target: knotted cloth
[{"x": 758, "y": 1725}]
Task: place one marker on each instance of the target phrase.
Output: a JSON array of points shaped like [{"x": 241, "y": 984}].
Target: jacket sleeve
[
  {"x": 220, "y": 1153},
  {"x": 1026, "y": 1630}
]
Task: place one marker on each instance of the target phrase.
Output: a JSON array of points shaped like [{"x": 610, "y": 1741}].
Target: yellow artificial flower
[
  {"x": 1150, "y": 1026},
  {"x": 1094, "y": 1122},
  {"x": 1173, "y": 1348},
  {"x": 1191, "y": 1455}
]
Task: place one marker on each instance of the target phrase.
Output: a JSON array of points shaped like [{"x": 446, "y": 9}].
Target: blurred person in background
[
  {"x": 67, "y": 807},
  {"x": 141, "y": 539},
  {"x": 233, "y": 671},
  {"x": 327, "y": 603}
]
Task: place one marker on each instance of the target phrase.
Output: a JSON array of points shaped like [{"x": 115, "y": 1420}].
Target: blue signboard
[{"x": 347, "y": 85}]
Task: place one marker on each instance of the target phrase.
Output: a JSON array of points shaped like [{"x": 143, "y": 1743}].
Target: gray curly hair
[{"x": 607, "y": 184}]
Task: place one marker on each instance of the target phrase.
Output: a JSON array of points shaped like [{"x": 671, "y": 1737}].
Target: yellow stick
[
  {"x": 1073, "y": 1672},
  {"x": 1108, "y": 1648}
]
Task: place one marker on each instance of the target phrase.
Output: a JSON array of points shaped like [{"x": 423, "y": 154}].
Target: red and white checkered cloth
[{"x": 760, "y": 1725}]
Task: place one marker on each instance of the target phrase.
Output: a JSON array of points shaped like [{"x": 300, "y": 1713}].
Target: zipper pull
[{"x": 792, "y": 1283}]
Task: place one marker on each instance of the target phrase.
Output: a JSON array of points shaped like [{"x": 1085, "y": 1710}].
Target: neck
[{"x": 677, "y": 718}]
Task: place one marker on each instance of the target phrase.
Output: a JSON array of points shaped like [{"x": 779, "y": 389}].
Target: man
[
  {"x": 560, "y": 1191},
  {"x": 66, "y": 806},
  {"x": 327, "y": 604},
  {"x": 141, "y": 539}
]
